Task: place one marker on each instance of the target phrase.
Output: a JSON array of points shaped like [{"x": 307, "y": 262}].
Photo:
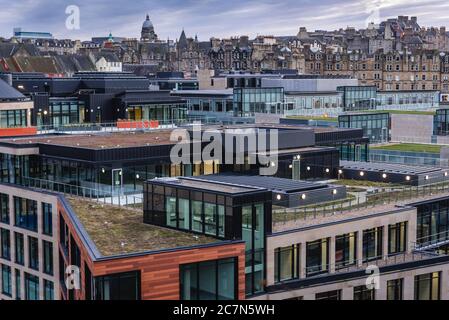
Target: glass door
[
  {"x": 296, "y": 170},
  {"x": 117, "y": 181}
]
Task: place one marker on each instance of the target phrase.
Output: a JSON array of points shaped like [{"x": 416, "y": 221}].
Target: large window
[
  {"x": 48, "y": 290},
  {"x": 345, "y": 250},
  {"x": 395, "y": 289},
  {"x": 433, "y": 222},
  {"x": 4, "y": 208},
  {"x": 25, "y": 211},
  {"x": 397, "y": 238},
  {"x": 31, "y": 287},
  {"x": 329, "y": 295},
  {"x": 19, "y": 246},
  {"x": 124, "y": 286},
  {"x": 286, "y": 263},
  {"x": 6, "y": 280},
  {"x": 372, "y": 244},
  {"x": 317, "y": 257},
  {"x": 427, "y": 286},
  {"x": 209, "y": 280},
  {"x": 47, "y": 219},
  {"x": 5, "y": 239},
  {"x": 48, "y": 257},
  {"x": 33, "y": 253},
  {"x": 18, "y": 283},
  {"x": 363, "y": 293},
  {"x": 13, "y": 118},
  {"x": 205, "y": 213}
]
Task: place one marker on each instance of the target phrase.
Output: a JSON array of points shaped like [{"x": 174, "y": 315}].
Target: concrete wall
[
  {"x": 344, "y": 226},
  {"x": 411, "y": 128}
]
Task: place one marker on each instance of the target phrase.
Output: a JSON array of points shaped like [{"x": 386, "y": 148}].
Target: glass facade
[
  {"x": 221, "y": 215},
  {"x": 210, "y": 104},
  {"x": 13, "y": 118},
  {"x": 209, "y": 280},
  {"x": 408, "y": 100},
  {"x": 93, "y": 179},
  {"x": 160, "y": 112},
  {"x": 376, "y": 126},
  {"x": 187, "y": 210},
  {"x": 441, "y": 122},
  {"x": 358, "y": 97},
  {"x": 248, "y": 101},
  {"x": 61, "y": 111}
]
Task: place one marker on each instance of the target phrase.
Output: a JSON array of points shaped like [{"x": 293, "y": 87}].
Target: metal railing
[
  {"x": 381, "y": 196},
  {"x": 99, "y": 194},
  {"x": 141, "y": 125}
]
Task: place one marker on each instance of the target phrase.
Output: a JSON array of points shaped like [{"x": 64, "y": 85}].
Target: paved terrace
[{"x": 119, "y": 230}]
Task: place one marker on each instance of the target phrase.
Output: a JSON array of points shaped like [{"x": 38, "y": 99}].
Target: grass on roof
[
  {"x": 117, "y": 230},
  {"x": 363, "y": 183},
  {"x": 410, "y": 147}
]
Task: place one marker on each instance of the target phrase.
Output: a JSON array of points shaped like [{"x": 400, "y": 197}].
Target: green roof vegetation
[
  {"x": 119, "y": 230},
  {"x": 410, "y": 147}
]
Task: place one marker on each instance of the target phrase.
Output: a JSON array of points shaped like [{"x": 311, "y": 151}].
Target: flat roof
[
  {"x": 269, "y": 183},
  {"x": 102, "y": 140},
  {"x": 202, "y": 183},
  {"x": 119, "y": 230},
  {"x": 387, "y": 167}
]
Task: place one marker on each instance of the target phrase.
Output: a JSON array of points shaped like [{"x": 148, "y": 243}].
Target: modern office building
[
  {"x": 375, "y": 125},
  {"x": 19, "y": 34},
  {"x": 119, "y": 162},
  {"x": 108, "y": 253},
  {"x": 15, "y": 111},
  {"x": 97, "y": 98},
  {"x": 358, "y": 97},
  {"x": 249, "y": 101}
]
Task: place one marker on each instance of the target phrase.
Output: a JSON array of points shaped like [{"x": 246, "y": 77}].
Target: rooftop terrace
[
  {"x": 385, "y": 200},
  {"x": 119, "y": 230},
  {"x": 97, "y": 141}
]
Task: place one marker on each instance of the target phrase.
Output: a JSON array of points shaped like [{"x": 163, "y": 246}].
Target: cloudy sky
[{"x": 220, "y": 18}]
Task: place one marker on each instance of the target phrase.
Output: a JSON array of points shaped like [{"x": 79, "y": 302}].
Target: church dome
[{"x": 147, "y": 24}]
